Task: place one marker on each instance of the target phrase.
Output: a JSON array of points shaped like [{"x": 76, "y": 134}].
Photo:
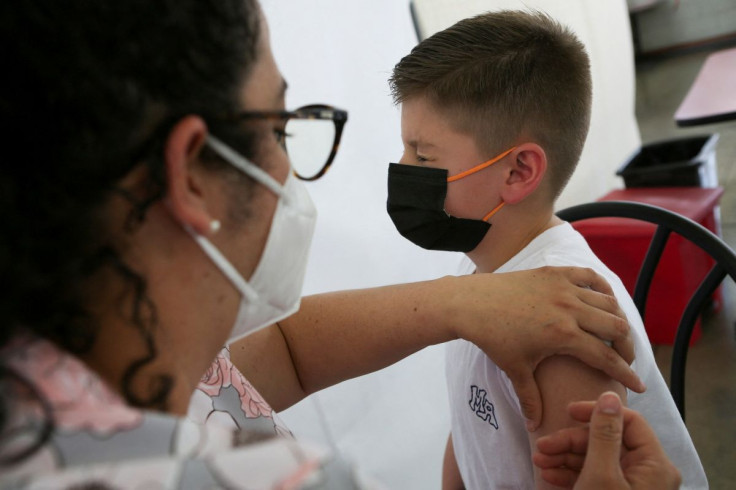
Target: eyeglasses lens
[{"x": 309, "y": 143}]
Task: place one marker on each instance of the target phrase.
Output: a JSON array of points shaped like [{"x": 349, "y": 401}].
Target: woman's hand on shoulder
[{"x": 521, "y": 318}]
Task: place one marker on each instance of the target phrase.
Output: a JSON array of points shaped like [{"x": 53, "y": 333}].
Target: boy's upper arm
[
  {"x": 561, "y": 380},
  {"x": 451, "y": 478}
]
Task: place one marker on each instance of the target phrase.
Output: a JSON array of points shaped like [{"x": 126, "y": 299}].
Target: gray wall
[{"x": 676, "y": 22}]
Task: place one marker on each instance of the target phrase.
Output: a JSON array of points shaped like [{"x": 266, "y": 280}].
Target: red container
[{"x": 621, "y": 244}]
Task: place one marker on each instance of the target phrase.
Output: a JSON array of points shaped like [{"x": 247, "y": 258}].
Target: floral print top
[
  {"x": 225, "y": 398},
  {"x": 230, "y": 439}
]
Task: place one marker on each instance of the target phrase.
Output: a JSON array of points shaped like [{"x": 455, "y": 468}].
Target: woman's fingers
[
  {"x": 530, "y": 399},
  {"x": 596, "y": 293},
  {"x": 595, "y": 310},
  {"x": 596, "y": 354},
  {"x": 582, "y": 411},
  {"x": 560, "y": 477},
  {"x": 560, "y": 456},
  {"x": 569, "y": 460},
  {"x": 637, "y": 432},
  {"x": 588, "y": 278},
  {"x": 596, "y": 451},
  {"x": 589, "y": 456},
  {"x": 612, "y": 327},
  {"x": 563, "y": 443}
]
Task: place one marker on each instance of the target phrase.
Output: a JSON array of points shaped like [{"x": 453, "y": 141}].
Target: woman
[{"x": 151, "y": 216}]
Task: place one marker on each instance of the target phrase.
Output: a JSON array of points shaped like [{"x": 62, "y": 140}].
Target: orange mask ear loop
[
  {"x": 480, "y": 167},
  {"x": 494, "y": 211}
]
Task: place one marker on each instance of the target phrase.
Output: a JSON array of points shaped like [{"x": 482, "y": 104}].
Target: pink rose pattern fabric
[
  {"x": 99, "y": 441},
  {"x": 221, "y": 375},
  {"x": 78, "y": 399}
]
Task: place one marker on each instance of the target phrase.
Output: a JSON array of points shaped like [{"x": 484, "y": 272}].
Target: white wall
[
  {"x": 394, "y": 423},
  {"x": 342, "y": 52}
]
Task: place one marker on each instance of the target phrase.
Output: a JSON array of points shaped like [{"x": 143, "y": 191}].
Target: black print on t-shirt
[{"x": 481, "y": 406}]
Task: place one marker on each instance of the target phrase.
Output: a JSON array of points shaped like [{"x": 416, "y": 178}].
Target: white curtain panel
[{"x": 393, "y": 423}]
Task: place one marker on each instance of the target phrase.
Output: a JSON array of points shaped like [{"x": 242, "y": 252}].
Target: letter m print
[{"x": 482, "y": 407}]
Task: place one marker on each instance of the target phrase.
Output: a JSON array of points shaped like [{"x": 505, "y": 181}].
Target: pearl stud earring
[{"x": 214, "y": 226}]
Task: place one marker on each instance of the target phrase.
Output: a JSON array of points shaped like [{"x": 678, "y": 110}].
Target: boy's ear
[
  {"x": 185, "y": 182},
  {"x": 527, "y": 168}
]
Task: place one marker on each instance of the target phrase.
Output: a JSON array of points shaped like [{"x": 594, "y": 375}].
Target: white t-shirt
[{"x": 488, "y": 429}]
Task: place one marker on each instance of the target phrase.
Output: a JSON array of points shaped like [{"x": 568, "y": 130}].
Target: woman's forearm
[
  {"x": 517, "y": 318},
  {"x": 337, "y": 336},
  {"x": 341, "y": 335}
]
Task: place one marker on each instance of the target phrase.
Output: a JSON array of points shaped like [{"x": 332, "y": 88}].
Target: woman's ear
[
  {"x": 185, "y": 182},
  {"x": 525, "y": 172}
]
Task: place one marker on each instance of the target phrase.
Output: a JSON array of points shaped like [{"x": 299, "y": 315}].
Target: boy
[{"x": 511, "y": 90}]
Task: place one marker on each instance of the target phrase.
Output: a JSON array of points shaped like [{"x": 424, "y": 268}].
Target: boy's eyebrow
[{"x": 414, "y": 143}]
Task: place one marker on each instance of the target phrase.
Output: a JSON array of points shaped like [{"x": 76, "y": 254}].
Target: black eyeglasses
[{"x": 311, "y": 136}]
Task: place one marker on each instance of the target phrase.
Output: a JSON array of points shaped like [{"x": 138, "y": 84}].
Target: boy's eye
[{"x": 421, "y": 159}]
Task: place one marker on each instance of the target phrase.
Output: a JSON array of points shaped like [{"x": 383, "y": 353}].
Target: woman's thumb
[{"x": 606, "y": 427}]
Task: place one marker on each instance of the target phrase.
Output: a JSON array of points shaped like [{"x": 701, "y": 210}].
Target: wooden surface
[{"x": 712, "y": 96}]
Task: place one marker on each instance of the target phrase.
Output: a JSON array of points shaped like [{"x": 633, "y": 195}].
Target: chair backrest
[{"x": 667, "y": 222}]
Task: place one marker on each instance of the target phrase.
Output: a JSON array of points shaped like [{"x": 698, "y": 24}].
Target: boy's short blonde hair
[{"x": 502, "y": 74}]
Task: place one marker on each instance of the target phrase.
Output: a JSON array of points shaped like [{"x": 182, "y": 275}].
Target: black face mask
[{"x": 416, "y": 205}]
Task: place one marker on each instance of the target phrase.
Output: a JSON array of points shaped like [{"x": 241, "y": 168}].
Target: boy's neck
[{"x": 509, "y": 235}]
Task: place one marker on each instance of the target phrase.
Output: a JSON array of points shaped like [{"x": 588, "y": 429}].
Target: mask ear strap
[
  {"x": 244, "y": 165},
  {"x": 480, "y": 167},
  {"x": 494, "y": 211},
  {"x": 224, "y": 265}
]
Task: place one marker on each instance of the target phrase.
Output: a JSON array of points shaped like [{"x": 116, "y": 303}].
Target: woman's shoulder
[
  {"x": 74, "y": 430},
  {"x": 171, "y": 452}
]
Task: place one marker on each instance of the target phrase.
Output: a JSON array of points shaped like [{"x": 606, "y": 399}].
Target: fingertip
[
  {"x": 531, "y": 425},
  {"x": 609, "y": 403},
  {"x": 537, "y": 458},
  {"x": 631, "y": 380},
  {"x": 543, "y": 461},
  {"x": 560, "y": 477},
  {"x": 639, "y": 386},
  {"x": 536, "y": 443},
  {"x": 598, "y": 283}
]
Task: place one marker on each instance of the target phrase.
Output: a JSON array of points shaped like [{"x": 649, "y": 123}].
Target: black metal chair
[{"x": 667, "y": 222}]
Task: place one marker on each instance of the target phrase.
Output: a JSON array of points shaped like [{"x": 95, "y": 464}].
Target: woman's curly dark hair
[{"x": 89, "y": 91}]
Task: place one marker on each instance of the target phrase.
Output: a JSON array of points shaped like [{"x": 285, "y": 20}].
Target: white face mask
[{"x": 275, "y": 289}]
